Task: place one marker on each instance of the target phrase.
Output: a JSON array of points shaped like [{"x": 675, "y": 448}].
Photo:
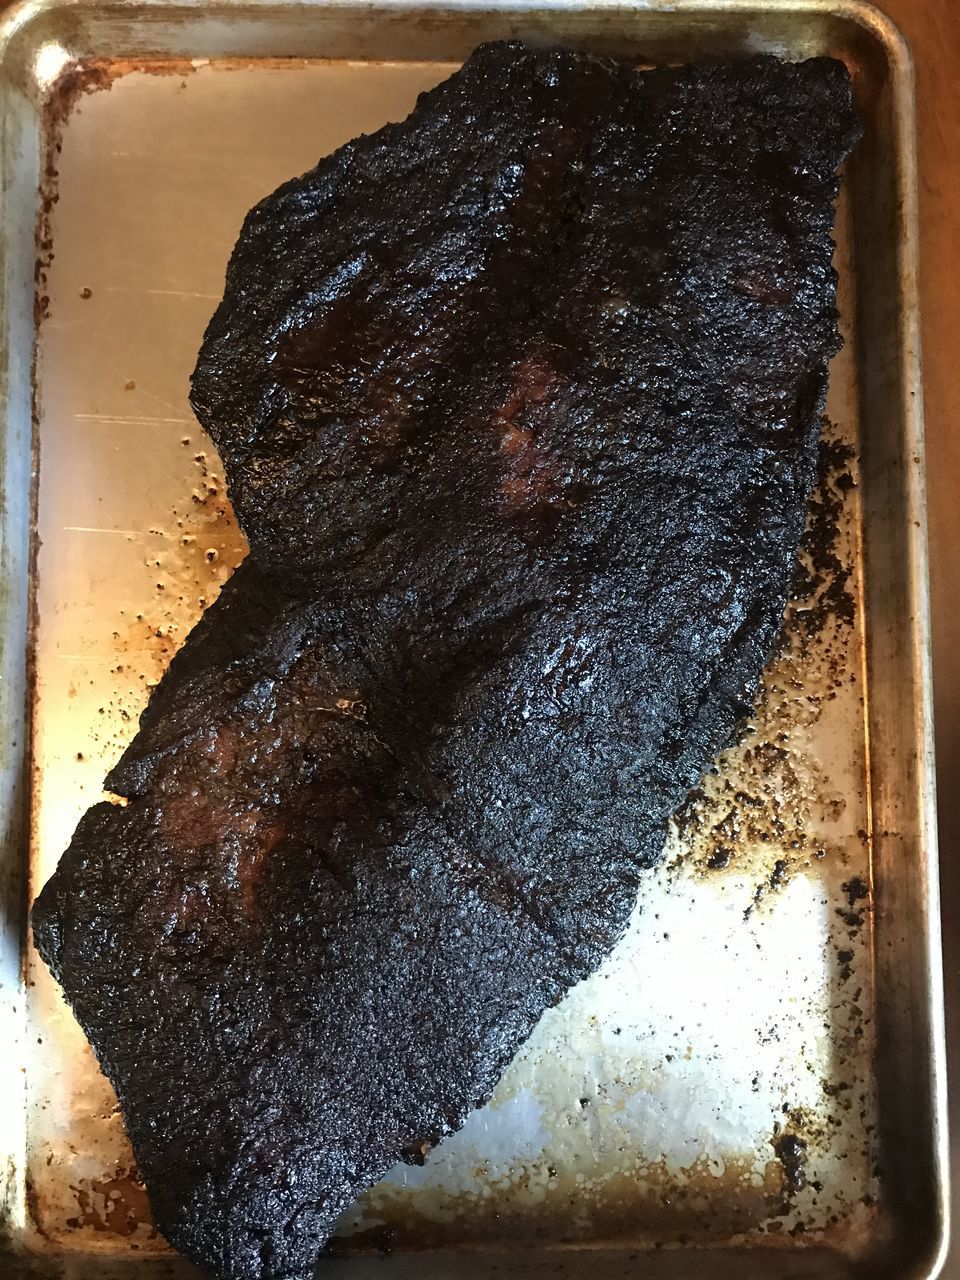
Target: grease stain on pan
[{"x": 116, "y": 1204}]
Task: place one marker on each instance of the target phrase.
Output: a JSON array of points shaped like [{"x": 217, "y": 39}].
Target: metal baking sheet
[{"x": 752, "y": 1084}]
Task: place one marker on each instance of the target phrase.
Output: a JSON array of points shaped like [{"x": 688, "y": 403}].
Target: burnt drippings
[
  {"x": 821, "y": 591},
  {"x": 772, "y": 813},
  {"x": 521, "y": 528},
  {"x": 856, "y": 891},
  {"x": 759, "y": 797},
  {"x": 791, "y": 1151}
]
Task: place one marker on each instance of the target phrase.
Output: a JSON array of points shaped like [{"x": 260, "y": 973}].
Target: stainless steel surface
[{"x": 741, "y": 1008}]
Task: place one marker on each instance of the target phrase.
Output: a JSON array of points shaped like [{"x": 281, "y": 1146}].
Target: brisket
[{"x": 518, "y": 402}]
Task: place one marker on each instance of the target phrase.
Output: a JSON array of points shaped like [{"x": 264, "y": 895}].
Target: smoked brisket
[{"x": 518, "y": 402}]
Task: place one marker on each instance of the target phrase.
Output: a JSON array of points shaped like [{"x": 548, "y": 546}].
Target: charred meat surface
[{"x": 518, "y": 402}]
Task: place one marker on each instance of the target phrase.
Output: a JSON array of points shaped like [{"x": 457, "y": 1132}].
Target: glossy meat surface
[{"x": 518, "y": 402}]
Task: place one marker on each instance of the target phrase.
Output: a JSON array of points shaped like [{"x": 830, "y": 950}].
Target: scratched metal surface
[{"x": 715, "y": 1085}]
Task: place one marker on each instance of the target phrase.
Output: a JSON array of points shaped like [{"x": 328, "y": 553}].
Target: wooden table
[{"x": 932, "y": 28}]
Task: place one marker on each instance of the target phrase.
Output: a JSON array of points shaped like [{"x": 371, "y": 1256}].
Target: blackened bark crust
[{"x": 518, "y": 402}]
